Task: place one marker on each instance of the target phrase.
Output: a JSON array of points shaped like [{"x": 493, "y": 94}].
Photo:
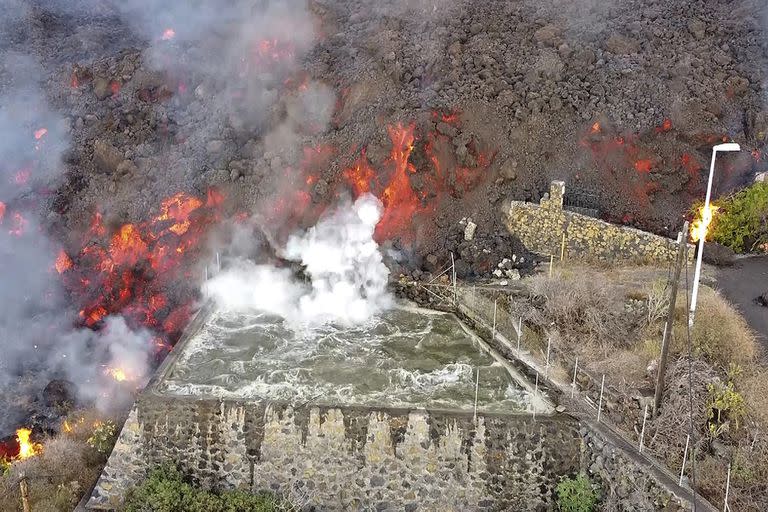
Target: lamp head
[{"x": 728, "y": 147}]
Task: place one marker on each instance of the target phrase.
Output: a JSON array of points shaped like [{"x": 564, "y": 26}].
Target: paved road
[{"x": 741, "y": 284}]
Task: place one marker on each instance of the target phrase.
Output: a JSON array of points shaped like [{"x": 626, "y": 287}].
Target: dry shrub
[
  {"x": 57, "y": 477},
  {"x": 753, "y": 385},
  {"x": 719, "y": 334},
  {"x": 657, "y": 301},
  {"x": 711, "y": 474},
  {"x": 582, "y": 308},
  {"x": 749, "y": 476},
  {"x": 669, "y": 430},
  {"x": 624, "y": 369}
]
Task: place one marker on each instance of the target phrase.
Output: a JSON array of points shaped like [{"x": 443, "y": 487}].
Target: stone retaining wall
[
  {"x": 347, "y": 458},
  {"x": 540, "y": 227}
]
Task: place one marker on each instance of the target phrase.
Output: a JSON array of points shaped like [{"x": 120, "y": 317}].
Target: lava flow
[
  {"x": 401, "y": 201},
  {"x": 142, "y": 271},
  {"x": 398, "y": 198}
]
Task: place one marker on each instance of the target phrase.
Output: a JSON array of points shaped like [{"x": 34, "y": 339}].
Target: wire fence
[{"x": 493, "y": 311}]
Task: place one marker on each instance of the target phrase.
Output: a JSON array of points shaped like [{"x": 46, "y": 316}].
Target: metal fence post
[
  {"x": 685, "y": 459},
  {"x": 642, "y": 431},
  {"x": 493, "y": 333},
  {"x": 600, "y": 402},
  {"x": 477, "y": 388}
]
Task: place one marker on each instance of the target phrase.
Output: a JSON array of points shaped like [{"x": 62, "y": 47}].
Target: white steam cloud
[{"x": 348, "y": 278}]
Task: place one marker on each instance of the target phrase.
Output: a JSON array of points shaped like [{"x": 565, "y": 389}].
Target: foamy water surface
[{"x": 406, "y": 357}]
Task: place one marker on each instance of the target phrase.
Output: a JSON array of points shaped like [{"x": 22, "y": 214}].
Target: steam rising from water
[{"x": 348, "y": 278}]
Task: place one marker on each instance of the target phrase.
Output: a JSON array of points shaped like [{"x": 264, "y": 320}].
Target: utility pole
[{"x": 682, "y": 246}]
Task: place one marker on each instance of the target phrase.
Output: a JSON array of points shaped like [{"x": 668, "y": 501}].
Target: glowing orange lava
[
  {"x": 361, "y": 175},
  {"x": 643, "y": 166},
  {"x": 39, "y": 134},
  {"x": 168, "y": 34},
  {"x": 402, "y": 199},
  {"x": 127, "y": 247},
  {"x": 178, "y": 208},
  {"x": 129, "y": 270},
  {"x": 596, "y": 128},
  {"x": 63, "y": 262},
  {"x": 665, "y": 126},
  {"x": 398, "y": 198}
]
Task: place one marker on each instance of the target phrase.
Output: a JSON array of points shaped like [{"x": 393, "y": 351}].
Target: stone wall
[
  {"x": 362, "y": 459},
  {"x": 540, "y": 227},
  {"x": 629, "y": 481},
  {"x": 348, "y": 458}
]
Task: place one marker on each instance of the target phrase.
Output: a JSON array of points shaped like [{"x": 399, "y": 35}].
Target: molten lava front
[{"x": 132, "y": 271}]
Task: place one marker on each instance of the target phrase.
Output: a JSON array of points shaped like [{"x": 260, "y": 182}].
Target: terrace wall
[
  {"x": 541, "y": 227},
  {"x": 364, "y": 459},
  {"x": 348, "y": 458}
]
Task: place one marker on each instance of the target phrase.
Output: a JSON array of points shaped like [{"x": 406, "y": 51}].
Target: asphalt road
[{"x": 741, "y": 284}]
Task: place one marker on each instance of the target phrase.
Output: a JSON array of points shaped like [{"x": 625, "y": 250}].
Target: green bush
[
  {"x": 103, "y": 437},
  {"x": 166, "y": 490},
  {"x": 726, "y": 406},
  {"x": 576, "y": 494},
  {"x": 742, "y": 221}
]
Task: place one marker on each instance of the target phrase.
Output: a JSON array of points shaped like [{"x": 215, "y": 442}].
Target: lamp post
[{"x": 706, "y": 219}]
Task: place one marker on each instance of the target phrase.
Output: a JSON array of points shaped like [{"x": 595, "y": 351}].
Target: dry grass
[
  {"x": 61, "y": 474},
  {"x": 749, "y": 476},
  {"x": 668, "y": 431},
  {"x": 585, "y": 311},
  {"x": 624, "y": 369},
  {"x": 753, "y": 384},
  {"x": 587, "y": 306},
  {"x": 57, "y": 477},
  {"x": 719, "y": 334}
]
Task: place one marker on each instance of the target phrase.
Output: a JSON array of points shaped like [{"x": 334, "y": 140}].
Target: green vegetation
[
  {"x": 742, "y": 221},
  {"x": 576, "y": 494},
  {"x": 103, "y": 437},
  {"x": 725, "y": 406},
  {"x": 166, "y": 490}
]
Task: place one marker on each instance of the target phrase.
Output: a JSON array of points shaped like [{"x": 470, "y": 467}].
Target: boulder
[
  {"x": 60, "y": 393},
  {"x": 101, "y": 88},
  {"x": 718, "y": 255},
  {"x": 106, "y": 156}
]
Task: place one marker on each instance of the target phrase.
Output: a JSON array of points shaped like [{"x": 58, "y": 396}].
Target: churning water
[{"x": 406, "y": 357}]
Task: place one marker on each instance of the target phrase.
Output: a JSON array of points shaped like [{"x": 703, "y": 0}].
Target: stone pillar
[{"x": 556, "y": 194}]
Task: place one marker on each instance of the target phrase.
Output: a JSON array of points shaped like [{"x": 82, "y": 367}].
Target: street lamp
[{"x": 706, "y": 214}]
